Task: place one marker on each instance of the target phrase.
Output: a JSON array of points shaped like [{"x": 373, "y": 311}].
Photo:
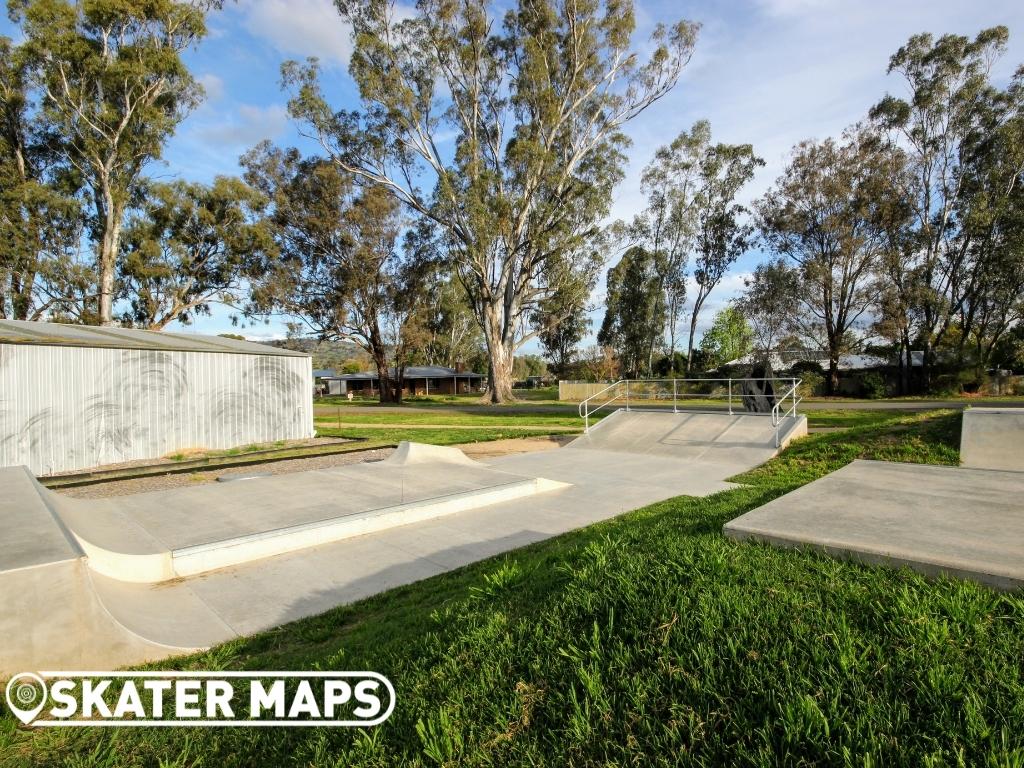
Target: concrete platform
[
  {"x": 993, "y": 438},
  {"x": 103, "y": 620},
  {"x": 937, "y": 520},
  {"x": 154, "y": 537}
]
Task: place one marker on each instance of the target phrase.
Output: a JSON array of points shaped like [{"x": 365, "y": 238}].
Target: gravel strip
[{"x": 162, "y": 482}]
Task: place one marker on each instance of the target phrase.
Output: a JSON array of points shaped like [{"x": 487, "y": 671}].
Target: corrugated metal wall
[{"x": 68, "y": 408}]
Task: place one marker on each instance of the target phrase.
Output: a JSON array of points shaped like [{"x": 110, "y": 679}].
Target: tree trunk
[
  {"x": 689, "y": 346},
  {"x": 833, "y": 373},
  {"x": 386, "y": 390},
  {"x": 106, "y": 262},
  {"x": 500, "y": 358}
]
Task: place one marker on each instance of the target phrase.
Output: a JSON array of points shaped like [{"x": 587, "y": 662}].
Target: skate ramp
[
  {"x": 88, "y": 583},
  {"x": 993, "y": 438},
  {"x": 631, "y": 454},
  {"x": 937, "y": 520},
  {"x": 246, "y": 556},
  {"x": 713, "y": 437},
  {"x": 152, "y": 537}
]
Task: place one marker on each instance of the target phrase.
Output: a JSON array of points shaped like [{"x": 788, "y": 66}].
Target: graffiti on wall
[{"x": 67, "y": 408}]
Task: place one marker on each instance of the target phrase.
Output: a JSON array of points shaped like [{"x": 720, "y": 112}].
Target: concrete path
[{"x": 937, "y": 520}]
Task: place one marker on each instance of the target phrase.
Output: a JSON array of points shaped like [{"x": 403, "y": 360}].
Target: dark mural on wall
[{"x": 66, "y": 408}]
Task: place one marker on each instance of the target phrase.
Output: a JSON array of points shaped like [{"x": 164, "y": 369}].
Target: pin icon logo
[{"x": 26, "y": 695}]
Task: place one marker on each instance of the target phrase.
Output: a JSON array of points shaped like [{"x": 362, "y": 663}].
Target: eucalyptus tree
[
  {"x": 721, "y": 231},
  {"x": 339, "y": 267},
  {"x": 729, "y": 337},
  {"x": 40, "y": 216},
  {"x": 113, "y": 87},
  {"x": 634, "y": 318},
  {"x": 769, "y": 303},
  {"x": 666, "y": 225},
  {"x": 506, "y": 133},
  {"x": 992, "y": 215},
  {"x": 189, "y": 246},
  {"x": 939, "y": 127},
  {"x": 826, "y": 214}
]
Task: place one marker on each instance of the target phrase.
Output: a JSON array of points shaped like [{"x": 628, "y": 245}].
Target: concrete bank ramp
[
  {"x": 993, "y": 438},
  {"x": 632, "y": 456},
  {"x": 111, "y": 582},
  {"x": 730, "y": 438}
]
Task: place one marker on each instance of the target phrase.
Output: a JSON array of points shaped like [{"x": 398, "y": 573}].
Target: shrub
[
  {"x": 872, "y": 384},
  {"x": 811, "y": 383}
]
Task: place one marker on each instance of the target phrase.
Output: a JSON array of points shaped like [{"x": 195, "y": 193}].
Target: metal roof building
[
  {"x": 74, "y": 397},
  {"x": 417, "y": 380}
]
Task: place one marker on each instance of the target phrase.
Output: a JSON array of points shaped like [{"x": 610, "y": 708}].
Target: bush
[
  {"x": 811, "y": 383},
  {"x": 872, "y": 385},
  {"x": 801, "y": 367}
]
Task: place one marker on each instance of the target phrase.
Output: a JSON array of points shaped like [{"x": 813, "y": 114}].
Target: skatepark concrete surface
[
  {"x": 99, "y": 583},
  {"x": 993, "y": 438},
  {"x": 938, "y": 520}
]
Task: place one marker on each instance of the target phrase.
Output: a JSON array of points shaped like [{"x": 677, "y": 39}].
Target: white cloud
[
  {"x": 300, "y": 28},
  {"x": 213, "y": 85},
  {"x": 249, "y": 125}
]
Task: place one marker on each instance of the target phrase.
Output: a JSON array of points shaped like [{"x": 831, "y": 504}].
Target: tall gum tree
[
  {"x": 823, "y": 214},
  {"x": 508, "y": 135},
  {"x": 114, "y": 88},
  {"x": 937, "y": 126}
]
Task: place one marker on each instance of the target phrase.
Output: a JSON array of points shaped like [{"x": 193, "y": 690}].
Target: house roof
[
  {"x": 783, "y": 359},
  {"x": 110, "y": 337},
  {"x": 323, "y": 373},
  {"x": 414, "y": 372}
]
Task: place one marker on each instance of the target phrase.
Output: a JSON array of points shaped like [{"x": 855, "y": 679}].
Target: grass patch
[
  {"x": 481, "y": 419},
  {"x": 649, "y": 639},
  {"x": 439, "y": 436}
]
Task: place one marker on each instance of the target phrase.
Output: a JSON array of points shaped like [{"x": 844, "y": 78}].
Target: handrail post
[
  {"x": 674, "y": 395},
  {"x": 730, "y": 396},
  {"x": 627, "y": 394}
]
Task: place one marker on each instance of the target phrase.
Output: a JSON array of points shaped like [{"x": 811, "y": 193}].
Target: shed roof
[{"x": 63, "y": 335}]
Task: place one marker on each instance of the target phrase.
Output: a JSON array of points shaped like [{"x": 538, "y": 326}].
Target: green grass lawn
[
  {"x": 446, "y": 418},
  {"x": 649, "y": 639},
  {"x": 432, "y": 436}
]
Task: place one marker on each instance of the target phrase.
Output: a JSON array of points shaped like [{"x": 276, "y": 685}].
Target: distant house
[
  {"x": 784, "y": 359},
  {"x": 418, "y": 380},
  {"x": 323, "y": 373}
]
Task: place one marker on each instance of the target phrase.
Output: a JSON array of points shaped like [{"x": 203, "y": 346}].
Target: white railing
[{"x": 629, "y": 391}]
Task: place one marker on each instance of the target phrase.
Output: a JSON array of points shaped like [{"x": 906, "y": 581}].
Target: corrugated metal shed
[
  {"x": 75, "y": 397},
  {"x": 61, "y": 335}
]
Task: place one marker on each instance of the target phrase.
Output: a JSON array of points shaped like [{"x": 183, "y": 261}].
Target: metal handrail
[
  {"x": 777, "y": 415},
  {"x": 585, "y": 411}
]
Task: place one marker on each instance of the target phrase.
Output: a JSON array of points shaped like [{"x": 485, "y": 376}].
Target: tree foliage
[
  {"x": 729, "y": 337},
  {"x": 535, "y": 105},
  {"x": 945, "y": 128},
  {"x": 634, "y": 313},
  {"x": 826, "y": 214},
  {"x": 189, "y": 246},
  {"x": 112, "y": 87},
  {"x": 339, "y": 266}
]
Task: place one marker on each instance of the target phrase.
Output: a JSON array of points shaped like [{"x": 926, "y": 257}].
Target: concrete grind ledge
[
  {"x": 937, "y": 520},
  {"x": 192, "y": 561}
]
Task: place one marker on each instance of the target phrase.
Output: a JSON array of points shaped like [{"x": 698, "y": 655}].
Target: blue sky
[{"x": 767, "y": 72}]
